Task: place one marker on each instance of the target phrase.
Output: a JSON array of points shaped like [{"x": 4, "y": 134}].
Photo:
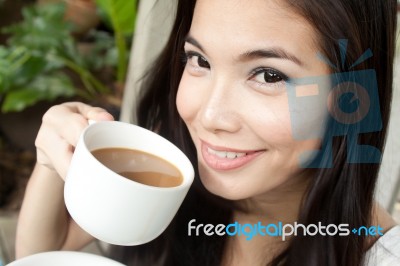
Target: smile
[
  {"x": 226, "y": 154},
  {"x": 219, "y": 158}
]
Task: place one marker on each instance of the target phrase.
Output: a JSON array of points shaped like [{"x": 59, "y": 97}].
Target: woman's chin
[{"x": 227, "y": 189}]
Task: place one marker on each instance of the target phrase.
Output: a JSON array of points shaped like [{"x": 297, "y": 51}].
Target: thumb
[{"x": 99, "y": 114}]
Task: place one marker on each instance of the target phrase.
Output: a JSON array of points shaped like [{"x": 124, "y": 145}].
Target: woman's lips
[{"x": 220, "y": 158}]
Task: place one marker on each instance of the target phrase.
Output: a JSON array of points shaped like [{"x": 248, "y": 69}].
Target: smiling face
[{"x": 232, "y": 96}]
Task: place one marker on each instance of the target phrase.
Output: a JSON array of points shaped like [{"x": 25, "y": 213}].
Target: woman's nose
[{"x": 220, "y": 110}]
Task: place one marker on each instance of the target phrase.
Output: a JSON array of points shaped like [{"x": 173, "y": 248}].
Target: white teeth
[
  {"x": 226, "y": 154},
  {"x": 240, "y": 154},
  {"x": 231, "y": 155},
  {"x": 221, "y": 154}
]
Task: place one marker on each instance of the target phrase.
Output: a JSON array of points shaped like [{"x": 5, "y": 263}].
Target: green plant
[
  {"x": 121, "y": 14},
  {"x": 41, "y": 48}
]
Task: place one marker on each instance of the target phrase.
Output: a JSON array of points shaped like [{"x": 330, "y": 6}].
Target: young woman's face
[{"x": 233, "y": 94}]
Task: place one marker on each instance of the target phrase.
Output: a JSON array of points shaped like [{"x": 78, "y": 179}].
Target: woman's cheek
[{"x": 187, "y": 99}]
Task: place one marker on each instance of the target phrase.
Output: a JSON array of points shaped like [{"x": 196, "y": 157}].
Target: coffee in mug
[
  {"x": 139, "y": 166},
  {"x": 113, "y": 208}
]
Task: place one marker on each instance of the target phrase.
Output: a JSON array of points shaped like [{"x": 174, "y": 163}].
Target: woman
[{"x": 221, "y": 91}]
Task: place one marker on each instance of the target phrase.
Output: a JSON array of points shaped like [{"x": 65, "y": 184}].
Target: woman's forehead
[
  {"x": 242, "y": 14},
  {"x": 266, "y": 21},
  {"x": 237, "y": 26}
]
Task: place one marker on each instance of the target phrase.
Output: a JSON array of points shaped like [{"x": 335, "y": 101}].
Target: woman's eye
[
  {"x": 268, "y": 75},
  {"x": 196, "y": 60}
]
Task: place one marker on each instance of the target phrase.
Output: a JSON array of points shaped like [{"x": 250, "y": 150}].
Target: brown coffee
[{"x": 140, "y": 166}]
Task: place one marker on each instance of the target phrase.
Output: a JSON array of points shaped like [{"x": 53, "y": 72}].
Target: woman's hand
[
  {"x": 44, "y": 223},
  {"x": 60, "y": 130}
]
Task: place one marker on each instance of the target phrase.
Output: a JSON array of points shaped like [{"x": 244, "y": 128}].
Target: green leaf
[
  {"x": 10, "y": 60},
  {"x": 18, "y": 100},
  {"x": 43, "y": 28},
  {"x": 33, "y": 67},
  {"x": 40, "y": 47},
  {"x": 98, "y": 56},
  {"x": 121, "y": 14},
  {"x": 43, "y": 88},
  {"x": 4, "y": 69}
]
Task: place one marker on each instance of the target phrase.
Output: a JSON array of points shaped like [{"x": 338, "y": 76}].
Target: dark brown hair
[{"x": 339, "y": 194}]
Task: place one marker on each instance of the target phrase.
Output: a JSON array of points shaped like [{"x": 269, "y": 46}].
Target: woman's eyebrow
[
  {"x": 274, "y": 52},
  {"x": 194, "y": 42}
]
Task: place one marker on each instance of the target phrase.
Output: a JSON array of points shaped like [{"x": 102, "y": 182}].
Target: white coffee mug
[{"x": 113, "y": 208}]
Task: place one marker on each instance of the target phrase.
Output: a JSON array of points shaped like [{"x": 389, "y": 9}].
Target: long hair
[{"x": 342, "y": 193}]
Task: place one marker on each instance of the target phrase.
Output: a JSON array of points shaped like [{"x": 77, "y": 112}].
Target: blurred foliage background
[{"x": 53, "y": 51}]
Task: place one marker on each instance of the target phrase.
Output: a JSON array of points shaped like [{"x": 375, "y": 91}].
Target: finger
[
  {"x": 70, "y": 119},
  {"x": 90, "y": 112},
  {"x": 53, "y": 151},
  {"x": 99, "y": 114},
  {"x": 60, "y": 131},
  {"x": 65, "y": 123}
]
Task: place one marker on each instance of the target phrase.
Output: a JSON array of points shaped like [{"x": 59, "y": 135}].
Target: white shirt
[{"x": 386, "y": 250}]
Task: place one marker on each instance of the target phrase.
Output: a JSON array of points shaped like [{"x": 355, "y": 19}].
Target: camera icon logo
[{"x": 341, "y": 104}]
